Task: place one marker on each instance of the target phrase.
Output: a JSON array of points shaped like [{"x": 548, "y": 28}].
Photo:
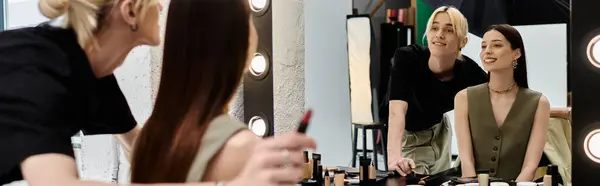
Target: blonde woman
[
  {"x": 424, "y": 81},
  {"x": 57, "y": 79}
]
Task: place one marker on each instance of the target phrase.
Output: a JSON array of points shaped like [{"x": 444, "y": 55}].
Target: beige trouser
[{"x": 430, "y": 148}]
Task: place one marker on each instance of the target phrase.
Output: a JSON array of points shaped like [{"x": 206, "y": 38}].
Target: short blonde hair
[
  {"x": 459, "y": 24},
  {"x": 83, "y": 15}
]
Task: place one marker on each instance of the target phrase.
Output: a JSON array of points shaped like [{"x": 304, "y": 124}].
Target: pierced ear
[
  {"x": 518, "y": 54},
  {"x": 128, "y": 12}
]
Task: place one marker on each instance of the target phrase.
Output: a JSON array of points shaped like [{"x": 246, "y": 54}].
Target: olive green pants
[{"x": 430, "y": 148}]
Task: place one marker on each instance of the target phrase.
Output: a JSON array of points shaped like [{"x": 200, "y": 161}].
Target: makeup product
[
  {"x": 307, "y": 169},
  {"x": 388, "y": 12},
  {"x": 319, "y": 174},
  {"x": 364, "y": 169},
  {"x": 338, "y": 177},
  {"x": 394, "y": 16},
  {"x": 550, "y": 178},
  {"x": 305, "y": 121},
  {"x": 401, "y": 15},
  {"x": 311, "y": 169},
  {"x": 326, "y": 178},
  {"x": 526, "y": 184},
  {"x": 483, "y": 177},
  {"x": 372, "y": 171},
  {"x": 315, "y": 165}
]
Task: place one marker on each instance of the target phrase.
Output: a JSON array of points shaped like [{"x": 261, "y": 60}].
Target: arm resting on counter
[
  {"x": 463, "y": 134},
  {"x": 127, "y": 140},
  {"x": 537, "y": 140},
  {"x": 561, "y": 112},
  {"x": 398, "y": 110}
]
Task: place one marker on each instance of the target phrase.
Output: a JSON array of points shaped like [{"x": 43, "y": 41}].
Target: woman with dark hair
[
  {"x": 501, "y": 125},
  {"x": 188, "y": 137}
]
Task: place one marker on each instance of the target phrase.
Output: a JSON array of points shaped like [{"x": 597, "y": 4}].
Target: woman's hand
[
  {"x": 403, "y": 166},
  {"x": 276, "y": 161}
]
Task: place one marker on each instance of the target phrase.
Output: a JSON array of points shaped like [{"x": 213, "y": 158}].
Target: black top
[
  {"x": 428, "y": 98},
  {"x": 48, "y": 93}
]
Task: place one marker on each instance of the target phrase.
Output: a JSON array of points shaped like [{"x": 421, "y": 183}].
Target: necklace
[{"x": 503, "y": 91}]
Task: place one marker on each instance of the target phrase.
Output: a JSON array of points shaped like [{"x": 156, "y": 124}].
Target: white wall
[
  {"x": 326, "y": 72},
  {"x": 23, "y": 13},
  {"x": 288, "y": 64}
]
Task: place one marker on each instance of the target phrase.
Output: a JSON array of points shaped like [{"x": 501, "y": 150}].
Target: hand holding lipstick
[{"x": 278, "y": 161}]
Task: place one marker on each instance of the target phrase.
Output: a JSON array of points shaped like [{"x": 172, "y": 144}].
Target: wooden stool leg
[{"x": 354, "y": 146}]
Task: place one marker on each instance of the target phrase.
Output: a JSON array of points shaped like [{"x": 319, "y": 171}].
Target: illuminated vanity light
[
  {"x": 257, "y": 5},
  {"x": 258, "y": 126},
  {"x": 258, "y": 65},
  {"x": 593, "y": 51},
  {"x": 591, "y": 145}
]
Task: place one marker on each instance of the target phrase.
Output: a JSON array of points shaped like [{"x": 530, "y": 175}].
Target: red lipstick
[{"x": 305, "y": 121}]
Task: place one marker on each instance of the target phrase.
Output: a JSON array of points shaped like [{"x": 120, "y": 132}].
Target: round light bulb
[
  {"x": 258, "y": 126},
  {"x": 592, "y": 145},
  {"x": 593, "y": 51},
  {"x": 258, "y": 5},
  {"x": 258, "y": 65}
]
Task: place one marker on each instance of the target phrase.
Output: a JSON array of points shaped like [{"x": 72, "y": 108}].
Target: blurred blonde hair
[
  {"x": 459, "y": 24},
  {"x": 83, "y": 16}
]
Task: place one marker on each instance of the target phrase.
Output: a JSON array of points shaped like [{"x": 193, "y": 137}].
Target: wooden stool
[{"x": 374, "y": 127}]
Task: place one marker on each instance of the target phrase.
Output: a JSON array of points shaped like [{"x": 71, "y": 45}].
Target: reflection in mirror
[{"x": 544, "y": 38}]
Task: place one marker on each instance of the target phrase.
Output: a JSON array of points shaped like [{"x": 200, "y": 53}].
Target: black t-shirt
[
  {"x": 48, "y": 93},
  {"x": 428, "y": 98}
]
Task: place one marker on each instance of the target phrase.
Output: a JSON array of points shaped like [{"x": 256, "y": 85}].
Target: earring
[
  {"x": 514, "y": 64},
  {"x": 134, "y": 28}
]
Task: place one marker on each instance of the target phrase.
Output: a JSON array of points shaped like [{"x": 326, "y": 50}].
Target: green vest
[{"x": 501, "y": 150}]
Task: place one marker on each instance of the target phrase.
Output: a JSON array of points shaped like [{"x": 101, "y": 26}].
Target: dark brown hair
[
  {"x": 205, "y": 53},
  {"x": 513, "y": 36}
]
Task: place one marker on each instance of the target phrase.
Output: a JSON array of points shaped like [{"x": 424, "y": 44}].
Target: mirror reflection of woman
[
  {"x": 501, "y": 125},
  {"x": 424, "y": 82}
]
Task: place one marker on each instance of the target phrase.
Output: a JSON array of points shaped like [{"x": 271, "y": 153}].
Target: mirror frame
[{"x": 3, "y": 4}]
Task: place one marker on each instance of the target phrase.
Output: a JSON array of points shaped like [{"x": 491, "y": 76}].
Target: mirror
[{"x": 372, "y": 41}]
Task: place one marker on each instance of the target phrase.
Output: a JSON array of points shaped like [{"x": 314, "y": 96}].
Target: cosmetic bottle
[
  {"x": 338, "y": 177},
  {"x": 319, "y": 175},
  {"x": 364, "y": 169},
  {"x": 326, "y": 178},
  {"x": 315, "y": 165},
  {"x": 483, "y": 177},
  {"x": 310, "y": 168},
  {"x": 307, "y": 168},
  {"x": 550, "y": 177},
  {"x": 372, "y": 172}
]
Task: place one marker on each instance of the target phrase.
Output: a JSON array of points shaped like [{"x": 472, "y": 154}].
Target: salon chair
[{"x": 364, "y": 80}]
